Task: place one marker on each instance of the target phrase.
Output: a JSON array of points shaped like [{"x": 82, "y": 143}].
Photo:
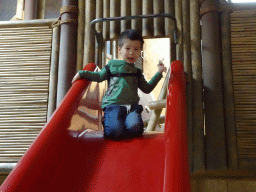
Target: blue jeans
[{"x": 119, "y": 123}]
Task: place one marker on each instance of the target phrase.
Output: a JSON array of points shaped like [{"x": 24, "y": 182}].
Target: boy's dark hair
[{"x": 130, "y": 34}]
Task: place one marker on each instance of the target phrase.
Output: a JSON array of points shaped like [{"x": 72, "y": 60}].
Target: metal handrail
[{"x": 108, "y": 19}]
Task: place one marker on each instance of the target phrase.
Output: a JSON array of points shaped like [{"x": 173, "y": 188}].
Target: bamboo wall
[
  {"x": 243, "y": 39},
  {"x": 25, "y": 52},
  {"x": 150, "y": 28}
]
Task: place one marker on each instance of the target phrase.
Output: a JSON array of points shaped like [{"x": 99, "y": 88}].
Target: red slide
[{"x": 60, "y": 160}]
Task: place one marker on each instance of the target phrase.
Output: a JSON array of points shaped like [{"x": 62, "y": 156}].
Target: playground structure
[
  {"x": 73, "y": 161},
  {"x": 216, "y": 145}
]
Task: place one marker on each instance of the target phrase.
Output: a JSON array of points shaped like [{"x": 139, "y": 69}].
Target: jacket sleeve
[
  {"x": 94, "y": 76},
  {"x": 147, "y": 87}
]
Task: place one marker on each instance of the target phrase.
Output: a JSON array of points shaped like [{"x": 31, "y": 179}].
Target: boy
[{"x": 122, "y": 113}]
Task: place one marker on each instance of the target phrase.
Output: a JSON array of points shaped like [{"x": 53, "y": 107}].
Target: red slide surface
[{"x": 60, "y": 160}]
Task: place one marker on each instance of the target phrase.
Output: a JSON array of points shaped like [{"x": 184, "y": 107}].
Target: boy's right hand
[{"x": 76, "y": 77}]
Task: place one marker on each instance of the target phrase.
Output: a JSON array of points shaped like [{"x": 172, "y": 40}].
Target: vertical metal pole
[
  {"x": 213, "y": 89},
  {"x": 30, "y": 10},
  {"x": 68, "y": 51},
  {"x": 196, "y": 61},
  {"x": 53, "y": 71},
  {"x": 228, "y": 92}
]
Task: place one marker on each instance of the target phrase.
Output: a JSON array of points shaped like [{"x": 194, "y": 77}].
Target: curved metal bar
[
  {"x": 108, "y": 19},
  {"x": 99, "y": 37}
]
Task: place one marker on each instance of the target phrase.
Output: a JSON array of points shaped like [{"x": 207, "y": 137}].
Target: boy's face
[{"x": 131, "y": 50}]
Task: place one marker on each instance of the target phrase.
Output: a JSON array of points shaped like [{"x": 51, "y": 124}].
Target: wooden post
[
  {"x": 147, "y": 24},
  {"x": 213, "y": 95},
  {"x": 125, "y": 11},
  {"x": 106, "y": 25},
  {"x": 228, "y": 92},
  {"x": 105, "y": 29},
  {"x": 188, "y": 71},
  {"x": 68, "y": 47},
  {"x": 89, "y": 41},
  {"x": 30, "y": 10},
  {"x": 80, "y": 35},
  {"x": 40, "y": 9},
  {"x": 114, "y": 25},
  {"x": 158, "y": 22},
  {"x": 53, "y": 71},
  {"x": 136, "y": 9},
  {"x": 98, "y": 27},
  {"x": 198, "y": 116},
  {"x": 169, "y": 27},
  {"x": 178, "y": 16}
]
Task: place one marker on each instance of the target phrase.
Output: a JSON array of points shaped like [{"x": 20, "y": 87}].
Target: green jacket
[{"x": 122, "y": 90}]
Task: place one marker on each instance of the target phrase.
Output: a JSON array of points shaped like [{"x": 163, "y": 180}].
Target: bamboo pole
[
  {"x": 147, "y": 24},
  {"x": 40, "y": 9},
  {"x": 198, "y": 116},
  {"x": 68, "y": 47},
  {"x": 188, "y": 71},
  {"x": 125, "y": 11},
  {"x": 106, "y": 25},
  {"x": 98, "y": 27},
  {"x": 114, "y": 25},
  {"x": 213, "y": 94},
  {"x": 169, "y": 8},
  {"x": 53, "y": 72},
  {"x": 80, "y": 35},
  {"x": 99, "y": 14},
  {"x": 89, "y": 41},
  {"x": 179, "y": 18},
  {"x": 26, "y": 23},
  {"x": 136, "y": 9},
  {"x": 30, "y": 9},
  {"x": 159, "y": 29},
  {"x": 153, "y": 105},
  {"x": 228, "y": 91}
]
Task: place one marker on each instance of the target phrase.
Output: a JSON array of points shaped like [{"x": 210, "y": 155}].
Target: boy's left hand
[
  {"x": 76, "y": 77},
  {"x": 161, "y": 68}
]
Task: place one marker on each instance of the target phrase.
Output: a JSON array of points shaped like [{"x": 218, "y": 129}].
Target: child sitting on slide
[{"x": 122, "y": 113}]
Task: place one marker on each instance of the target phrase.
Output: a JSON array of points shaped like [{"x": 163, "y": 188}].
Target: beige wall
[{"x": 155, "y": 50}]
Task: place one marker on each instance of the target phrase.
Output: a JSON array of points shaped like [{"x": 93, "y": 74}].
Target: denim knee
[
  {"x": 113, "y": 123},
  {"x": 134, "y": 122}
]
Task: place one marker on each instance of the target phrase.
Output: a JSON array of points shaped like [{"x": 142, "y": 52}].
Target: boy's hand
[
  {"x": 161, "y": 68},
  {"x": 76, "y": 77}
]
